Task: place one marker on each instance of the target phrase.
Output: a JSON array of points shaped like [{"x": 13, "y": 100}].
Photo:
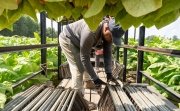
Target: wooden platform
[{"x": 123, "y": 97}]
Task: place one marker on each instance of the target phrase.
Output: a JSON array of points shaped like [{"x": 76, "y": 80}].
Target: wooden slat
[
  {"x": 157, "y": 103},
  {"x": 117, "y": 103},
  {"x": 169, "y": 104},
  {"x": 125, "y": 100},
  {"x": 145, "y": 99},
  {"x": 139, "y": 102}
]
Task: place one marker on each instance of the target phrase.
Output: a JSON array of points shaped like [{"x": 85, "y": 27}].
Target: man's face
[{"x": 107, "y": 33}]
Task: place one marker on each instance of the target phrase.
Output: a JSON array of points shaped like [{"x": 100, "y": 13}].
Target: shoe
[
  {"x": 98, "y": 82},
  {"x": 112, "y": 79},
  {"x": 89, "y": 84}
]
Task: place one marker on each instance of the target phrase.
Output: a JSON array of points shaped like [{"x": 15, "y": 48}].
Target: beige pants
[{"x": 72, "y": 54}]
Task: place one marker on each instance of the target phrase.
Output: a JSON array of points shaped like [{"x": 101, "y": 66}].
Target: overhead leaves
[
  {"x": 95, "y": 8},
  {"x": 8, "y": 4},
  {"x": 54, "y": 0},
  {"x": 138, "y": 8},
  {"x": 127, "y": 12},
  {"x": 93, "y": 22},
  {"x": 29, "y": 10},
  {"x": 168, "y": 6},
  {"x": 1, "y": 10},
  {"x": 167, "y": 19}
]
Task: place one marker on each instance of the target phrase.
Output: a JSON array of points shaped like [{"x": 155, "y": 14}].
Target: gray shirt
[{"x": 86, "y": 41}]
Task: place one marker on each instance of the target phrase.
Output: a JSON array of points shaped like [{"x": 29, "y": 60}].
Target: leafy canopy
[{"x": 127, "y": 12}]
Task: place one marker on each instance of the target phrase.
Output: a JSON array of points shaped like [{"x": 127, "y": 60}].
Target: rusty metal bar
[
  {"x": 169, "y": 90},
  {"x": 25, "y": 79},
  {"x": 25, "y": 47},
  {"x": 169, "y": 52}
]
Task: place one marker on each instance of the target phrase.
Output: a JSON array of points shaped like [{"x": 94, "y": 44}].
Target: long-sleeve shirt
[{"x": 86, "y": 41}]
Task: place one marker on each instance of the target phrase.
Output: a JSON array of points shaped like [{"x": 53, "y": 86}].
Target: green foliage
[
  {"x": 4, "y": 87},
  {"x": 127, "y": 12},
  {"x": 16, "y": 66},
  {"x": 163, "y": 68},
  {"x": 25, "y": 26}
]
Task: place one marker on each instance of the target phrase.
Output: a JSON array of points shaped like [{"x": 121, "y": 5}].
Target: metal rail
[
  {"x": 169, "y": 52},
  {"x": 175, "y": 94},
  {"x": 27, "y": 78},
  {"x": 25, "y": 47}
]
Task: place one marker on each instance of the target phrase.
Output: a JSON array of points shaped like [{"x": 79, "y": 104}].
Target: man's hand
[{"x": 110, "y": 78}]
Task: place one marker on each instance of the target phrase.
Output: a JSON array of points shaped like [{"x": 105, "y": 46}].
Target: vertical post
[
  {"x": 117, "y": 53},
  {"x": 43, "y": 41},
  {"x": 140, "y": 54},
  {"x": 125, "y": 56},
  {"x": 59, "y": 50}
]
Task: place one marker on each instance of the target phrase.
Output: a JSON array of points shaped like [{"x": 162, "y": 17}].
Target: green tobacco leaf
[
  {"x": 168, "y": 6},
  {"x": 175, "y": 80},
  {"x": 138, "y": 8},
  {"x": 127, "y": 21},
  {"x": 167, "y": 19},
  {"x": 148, "y": 20},
  {"x": 113, "y": 9},
  {"x": 28, "y": 10},
  {"x": 8, "y": 4},
  {"x": 36, "y": 5},
  {"x": 54, "y": 0},
  {"x": 37, "y": 36},
  {"x": 8, "y": 86},
  {"x": 96, "y": 7},
  {"x": 76, "y": 12},
  {"x": 1, "y": 10},
  {"x": 94, "y": 21},
  {"x": 80, "y": 3},
  {"x": 2, "y": 100},
  {"x": 54, "y": 14},
  {"x": 2, "y": 21}
]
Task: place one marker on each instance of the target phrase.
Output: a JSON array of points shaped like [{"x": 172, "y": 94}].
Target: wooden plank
[
  {"x": 63, "y": 83},
  {"x": 124, "y": 99},
  {"x": 135, "y": 97},
  {"x": 117, "y": 102},
  {"x": 153, "y": 99},
  {"x": 145, "y": 99},
  {"x": 169, "y": 104}
]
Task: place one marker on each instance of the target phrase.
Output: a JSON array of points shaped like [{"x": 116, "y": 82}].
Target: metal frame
[{"x": 141, "y": 49}]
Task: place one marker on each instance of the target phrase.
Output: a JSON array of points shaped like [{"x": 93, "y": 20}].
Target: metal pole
[
  {"x": 59, "y": 51},
  {"x": 140, "y": 54},
  {"x": 43, "y": 41},
  {"x": 117, "y": 53},
  {"x": 125, "y": 56}
]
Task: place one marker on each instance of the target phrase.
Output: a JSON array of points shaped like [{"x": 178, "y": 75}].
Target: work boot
[{"x": 89, "y": 84}]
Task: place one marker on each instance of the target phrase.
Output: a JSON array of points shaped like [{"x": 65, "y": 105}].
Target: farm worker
[{"x": 77, "y": 40}]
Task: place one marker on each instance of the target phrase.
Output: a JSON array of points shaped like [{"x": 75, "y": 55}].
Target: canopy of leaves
[{"x": 127, "y": 12}]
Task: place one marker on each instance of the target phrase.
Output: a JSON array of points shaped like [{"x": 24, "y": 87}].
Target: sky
[{"x": 167, "y": 31}]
